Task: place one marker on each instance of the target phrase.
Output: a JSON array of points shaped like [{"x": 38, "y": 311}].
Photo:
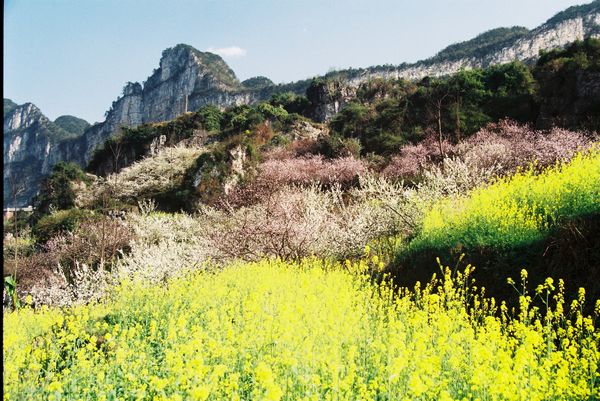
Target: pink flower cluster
[
  {"x": 413, "y": 158},
  {"x": 308, "y": 170},
  {"x": 510, "y": 145},
  {"x": 506, "y": 145}
]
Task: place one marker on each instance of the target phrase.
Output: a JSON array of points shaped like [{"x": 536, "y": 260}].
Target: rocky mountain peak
[
  {"x": 31, "y": 143},
  {"x": 182, "y": 61},
  {"x": 176, "y": 59},
  {"x": 72, "y": 124},
  {"x": 22, "y": 117},
  {"x": 132, "y": 88}
]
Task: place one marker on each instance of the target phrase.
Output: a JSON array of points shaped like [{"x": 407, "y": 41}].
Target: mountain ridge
[{"x": 188, "y": 79}]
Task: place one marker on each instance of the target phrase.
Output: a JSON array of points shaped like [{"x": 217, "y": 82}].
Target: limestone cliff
[
  {"x": 187, "y": 79},
  {"x": 575, "y": 23},
  {"x": 32, "y": 145}
]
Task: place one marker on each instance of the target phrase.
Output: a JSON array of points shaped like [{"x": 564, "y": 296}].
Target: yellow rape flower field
[
  {"x": 518, "y": 209},
  {"x": 275, "y": 330}
]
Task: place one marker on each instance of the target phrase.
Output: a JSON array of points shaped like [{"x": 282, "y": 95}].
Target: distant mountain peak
[
  {"x": 19, "y": 117},
  {"x": 182, "y": 56},
  {"x": 257, "y": 82},
  {"x": 71, "y": 124}
]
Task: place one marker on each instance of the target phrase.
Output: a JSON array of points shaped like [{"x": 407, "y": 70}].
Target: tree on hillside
[
  {"x": 16, "y": 188},
  {"x": 437, "y": 96},
  {"x": 467, "y": 94},
  {"x": 210, "y": 117},
  {"x": 511, "y": 88},
  {"x": 56, "y": 192},
  {"x": 115, "y": 146}
]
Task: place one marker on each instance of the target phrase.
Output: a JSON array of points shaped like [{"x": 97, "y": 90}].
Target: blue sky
[{"x": 74, "y": 56}]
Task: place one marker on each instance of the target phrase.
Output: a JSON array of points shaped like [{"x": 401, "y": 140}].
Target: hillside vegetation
[
  {"x": 253, "y": 253},
  {"x": 9, "y": 106},
  {"x": 575, "y": 11},
  {"x": 516, "y": 210},
  {"x": 73, "y": 125}
]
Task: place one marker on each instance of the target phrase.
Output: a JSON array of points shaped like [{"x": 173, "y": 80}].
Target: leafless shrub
[
  {"x": 74, "y": 267},
  {"x": 411, "y": 160},
  {"x": 290, "y": 223},
  {"x": 300, "y": 171},
  {"x": 295, "y": 222},
  {"x": 95, "y": 242}
]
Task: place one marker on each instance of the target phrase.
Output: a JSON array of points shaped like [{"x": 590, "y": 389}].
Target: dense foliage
[
  {"x": 292, "y": 103},
  {"x": 389, "y": 114},
  {"x": 56, "y": 191},
  {"x": 59, "y": 222},
  {"x": 257, "y": 82},
  {"x": 9, "y": 106},
  {"x": 575, "y": 11}
]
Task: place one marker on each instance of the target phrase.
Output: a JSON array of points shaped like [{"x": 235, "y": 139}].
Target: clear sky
[{"x": 74, "y": 56}]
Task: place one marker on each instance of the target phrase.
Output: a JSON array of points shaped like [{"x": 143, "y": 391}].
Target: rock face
[
  {"x": 185, "y": 78},
  {"x": 32, "y": 145},
  {"x": 329, "y": 97},
  {"x": 237, "y": 161},
  {"x": 576, "y": 23},
  {"x": 188, "y": 79},
  {"x": 22, "y": 144}
]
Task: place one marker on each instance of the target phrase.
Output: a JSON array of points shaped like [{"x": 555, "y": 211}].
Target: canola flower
[
  {"x": 518, "y": 209},
  {"x": 311, "y": 330}
]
